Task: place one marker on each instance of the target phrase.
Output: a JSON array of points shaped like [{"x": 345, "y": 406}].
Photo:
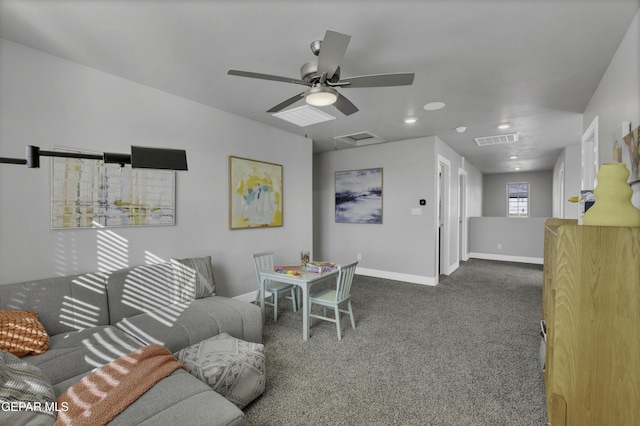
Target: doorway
[
  {"x": 560, "y": 186},
  {"x": 442, "y": 221},
  {"x": 462, "y": 215},
  {"x": 590, "y": 156}
]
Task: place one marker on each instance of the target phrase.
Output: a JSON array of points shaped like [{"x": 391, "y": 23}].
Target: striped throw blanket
[{"x": 105, "y": 393}]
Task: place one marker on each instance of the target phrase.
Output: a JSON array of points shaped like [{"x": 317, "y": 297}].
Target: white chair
[
  {"x": 330, "y": 298},
  {"x": 264, "y": 261}
]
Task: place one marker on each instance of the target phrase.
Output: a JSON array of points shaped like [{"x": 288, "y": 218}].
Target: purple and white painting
[{"x": 359, "y": 196}]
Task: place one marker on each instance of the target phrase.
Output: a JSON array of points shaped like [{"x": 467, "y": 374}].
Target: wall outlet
[
  {"x": 359, "y": 256},
  {"x": 499, "y": 246}
]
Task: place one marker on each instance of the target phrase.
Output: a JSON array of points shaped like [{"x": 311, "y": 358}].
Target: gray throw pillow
[
  {"x": 193, "y": 278},
  {"x": 26, "y": 394}
]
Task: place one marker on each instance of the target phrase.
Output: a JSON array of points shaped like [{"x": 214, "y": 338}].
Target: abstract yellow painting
[{"x": 255, "y": 194}]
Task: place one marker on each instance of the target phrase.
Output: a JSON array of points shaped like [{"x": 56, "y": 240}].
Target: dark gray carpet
[{"x": 462, "y": 353}]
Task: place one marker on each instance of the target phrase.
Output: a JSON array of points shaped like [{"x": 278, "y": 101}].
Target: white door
[
  {"x": 462, "y": 215},
  {"x": 443, "y": 239}
]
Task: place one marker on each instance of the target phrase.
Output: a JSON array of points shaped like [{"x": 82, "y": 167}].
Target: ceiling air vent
[
  {"x": 360, "y": 139},
  {"x": 496, "y": 140},
  {"x": 304, "y": 116}
]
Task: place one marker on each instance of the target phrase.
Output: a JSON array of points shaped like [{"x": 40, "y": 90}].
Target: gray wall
[
  {"x": 475, "y": 185},
  {"x": 501, "y": 238},
  {"x": 404, "y": 246},
  {"x": 406, "y": 179},
  {"x": 617, "y": 97},
  {"x": 47, "y": 101},
  {"x": 494, "y": 192}
]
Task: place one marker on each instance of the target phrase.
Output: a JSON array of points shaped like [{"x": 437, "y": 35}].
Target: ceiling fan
[{"x": 322, "y": 75}]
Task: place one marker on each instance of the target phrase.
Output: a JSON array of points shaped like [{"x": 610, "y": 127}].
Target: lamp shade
[
  {"x": 321, "y": 96},
  {"x": 158, "y": 158}
]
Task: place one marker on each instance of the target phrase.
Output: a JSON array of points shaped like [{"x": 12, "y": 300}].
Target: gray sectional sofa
[{"x": 92, "y": 319}]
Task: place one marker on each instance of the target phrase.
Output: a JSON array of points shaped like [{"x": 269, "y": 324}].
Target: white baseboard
[
  {"x": 418, "y": 279},
  {"x": 506, "y": 258},
  {"x": 415, "y": 279}
]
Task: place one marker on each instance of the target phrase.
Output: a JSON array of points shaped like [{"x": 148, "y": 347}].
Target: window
[{"x": 518, "y": 199}]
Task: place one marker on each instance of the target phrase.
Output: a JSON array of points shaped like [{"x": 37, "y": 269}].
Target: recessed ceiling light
[
  {"x": 516, "y": 168},
  {"x": 513, "y": 157},
  {"x": 434, "y": 106},
  {"x": 410, "y": 120},
  {"x": 461, "y": 129},
  {"x": 503, "y": 126}
]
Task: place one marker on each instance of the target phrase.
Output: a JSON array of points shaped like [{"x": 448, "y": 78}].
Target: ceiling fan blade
[
  {"x": 345, "y": 105},
  {"x": 292, "y": 100},
  {"x": 378, "y": 80},
  {"x": 267, "y": 77},
  {"x": 332, "y": 50}
]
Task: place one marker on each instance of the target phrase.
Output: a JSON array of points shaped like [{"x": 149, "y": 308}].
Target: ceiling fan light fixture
[{"x": 321, "y": 96}]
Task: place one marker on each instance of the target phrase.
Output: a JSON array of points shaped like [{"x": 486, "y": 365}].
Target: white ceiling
[{"x": 534, "y": 63}]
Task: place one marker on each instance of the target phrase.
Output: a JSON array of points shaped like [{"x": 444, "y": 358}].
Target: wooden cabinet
[{"x": 591, "y": 306}]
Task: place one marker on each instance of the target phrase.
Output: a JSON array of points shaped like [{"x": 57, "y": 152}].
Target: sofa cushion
[
  {"x": 73, "y": 355},
  {"x": 242, "y": 320},
  {"x": 26, "y": 392},
  {"x": 139, "y": 289},
  {"x": 180, "y": 399},
  {"x": 193, "y": 278},
  {"x": 22, "y": 333},
  {"x": 148, "y": 288},
  {"x": 63, "y": 304},
  {"x": 181, "y": 325}
]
